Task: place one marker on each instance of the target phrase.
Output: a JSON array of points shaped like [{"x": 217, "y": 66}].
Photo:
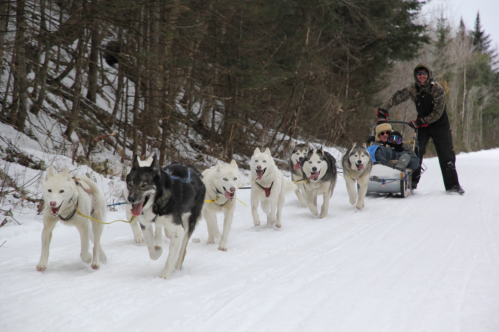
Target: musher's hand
[{"x": 420, "y": 122}]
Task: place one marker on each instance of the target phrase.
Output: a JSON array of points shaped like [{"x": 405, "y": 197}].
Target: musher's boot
[{"x": 456, "y": 189}]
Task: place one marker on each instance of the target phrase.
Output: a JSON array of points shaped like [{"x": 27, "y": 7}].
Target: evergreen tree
[{"x": 480, "y": 39}]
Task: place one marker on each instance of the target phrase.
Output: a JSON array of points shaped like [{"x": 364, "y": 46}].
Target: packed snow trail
[{"x": 429, "y": 262}]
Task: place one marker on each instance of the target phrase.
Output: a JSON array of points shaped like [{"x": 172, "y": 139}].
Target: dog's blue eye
[
  {"x": 265, "y": 161},
  {"x": 235, "y": 179},
  {"x": 319, "y": 162},
  {"x": 309, "y": 162},
  {"x": 50, "y": 190},
  {"x": 225, "y": 179},
  {"x": 61, "y": 191},
  {"x": 256, "y": 160}
]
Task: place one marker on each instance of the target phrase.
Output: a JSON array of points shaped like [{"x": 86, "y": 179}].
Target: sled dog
[
  {"x": 299, "y": 153},
  {"x": 319, "y": 169},
  {"x": 221, "y": 182},
  {"x": 268, "y": 187},
  {"x": 137, "y": 233},
  {"x": 63, "y": 196},
  {"x": 357, "y": 165},
  {"x": 171, "y": 197}
]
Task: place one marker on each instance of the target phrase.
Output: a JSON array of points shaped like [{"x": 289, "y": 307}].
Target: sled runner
[{"x": 386, "y": 178}]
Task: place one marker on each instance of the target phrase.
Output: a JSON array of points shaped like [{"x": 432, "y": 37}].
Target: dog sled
[{"x": 386, "y": 178}]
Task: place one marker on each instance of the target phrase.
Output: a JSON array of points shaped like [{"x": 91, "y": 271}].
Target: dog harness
[
  {"x": 75, "y": 205},
  {"x": 267, "y": 190},
  {"x": 179, "y": 179}
]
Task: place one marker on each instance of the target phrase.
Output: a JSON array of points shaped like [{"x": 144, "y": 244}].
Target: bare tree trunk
[
  {"x": 72, "y": 120},
  {"x": 20, "y": 114},
  {"x": 93, "y": 58}
]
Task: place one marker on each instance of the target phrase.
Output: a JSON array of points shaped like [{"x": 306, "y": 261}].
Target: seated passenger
[{"x": 389, "y": 148}]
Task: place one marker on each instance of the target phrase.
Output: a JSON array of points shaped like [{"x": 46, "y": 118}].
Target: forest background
[{"x": 200, "y": 79}]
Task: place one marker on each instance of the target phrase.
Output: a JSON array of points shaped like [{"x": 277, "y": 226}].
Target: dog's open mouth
[
  {"x": 297, "y": 166},
  {"x": 55, "y": 209},
  {"x": 260, "y": 172},
  {"x": 360, "y": 167},
  {"x": 137, "y": 207},
  {"x": 228, "y": 195},
  {"x": 315, "y": 176}
]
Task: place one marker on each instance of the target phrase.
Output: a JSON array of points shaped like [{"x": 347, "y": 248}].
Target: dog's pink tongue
[
  {"x": 137, "y": 208},
  {"x": 55, "y": 210},
  {"x": 296, "y": 166},
  {"x": 360, "y": 167},
  {"x": 259, "y": 174},
  {"x": 314, "y": 176},
  {"x": 228, "y": 195}
]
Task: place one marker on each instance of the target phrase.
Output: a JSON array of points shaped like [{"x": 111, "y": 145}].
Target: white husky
[
  {"x": 357, "y": 165},
  {"x": 63, "y": 196},
  {"x": 137, "y": 233},
  {"x": 221, "y": 183},
  {"x": 269, "y": 187}
]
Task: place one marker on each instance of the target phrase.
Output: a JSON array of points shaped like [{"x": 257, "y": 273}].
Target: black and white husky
[
  {"x": 299, "y": 154},
  {"x": 319, "y": 169},
  {"x": 172, "y": 197},
  {"x": 357, "y": 165}
]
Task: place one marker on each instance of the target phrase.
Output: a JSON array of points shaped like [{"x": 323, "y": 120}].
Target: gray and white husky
[
  {"x": 357, "y": 165},
  {"x": 171, "y": 197},
  {"x": 319, "y": 169},
  {"x": 299, "y": 154},
  {"x": 268, "y": 187},
  {"x": 137, "y": 233},
  {"x": 63, "y": 195},
  {"x": 221, "y": 182}
]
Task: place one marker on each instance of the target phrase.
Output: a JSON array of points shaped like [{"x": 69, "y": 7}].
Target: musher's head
[
  {"x": 382, "y": 132},
  {"x": 422, "y": 74}
]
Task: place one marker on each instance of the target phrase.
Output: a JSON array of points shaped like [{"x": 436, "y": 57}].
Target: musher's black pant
[{"x": 442, "y": 139}]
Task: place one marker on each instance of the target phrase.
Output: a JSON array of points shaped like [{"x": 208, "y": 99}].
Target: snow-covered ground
[{"x": 429, "y": 262}]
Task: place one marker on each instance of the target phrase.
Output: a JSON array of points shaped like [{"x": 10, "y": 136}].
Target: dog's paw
[
  {"x": 360, "y": 207},
  {"x": 95, "y": 266},
  {"x": 41, "y": 267},
  {"x": 158, "y": 250},
  {"x": 86, "y": 257},
  {"x": 211, "y": 240},
  {"x": 257, "y": 223},
  {"x": 138, "y": 238},
  {"x": 222, "y": 248},
  {"x": 278, "y": 225},
  {"x": 353, "y": 201}
]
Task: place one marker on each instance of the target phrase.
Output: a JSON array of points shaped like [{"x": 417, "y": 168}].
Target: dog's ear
[
  {"x": 135, "y": 163},
  {"x": 364, "y": 146},
  {"x": 65, "y": 171},
  {"x": 50, "y": 173},
  {"x": 354, "y": 145},
  {"x": 219, "y": 166},
  {"x": 149, "y": 161},
  {"x": 321, "y": 150},
  {"x": 155, "y": 165},
  {"x": 267, "y": 151},
  {"x": 233, "y": 163},
  {"x": 257, "y": 151}
]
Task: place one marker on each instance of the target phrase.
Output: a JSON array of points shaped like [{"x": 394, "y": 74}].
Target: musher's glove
[
  {"x": 381, "y": 113},
  {"x": 420, "y": 122},
  {"x": 370, "y": 140}
]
